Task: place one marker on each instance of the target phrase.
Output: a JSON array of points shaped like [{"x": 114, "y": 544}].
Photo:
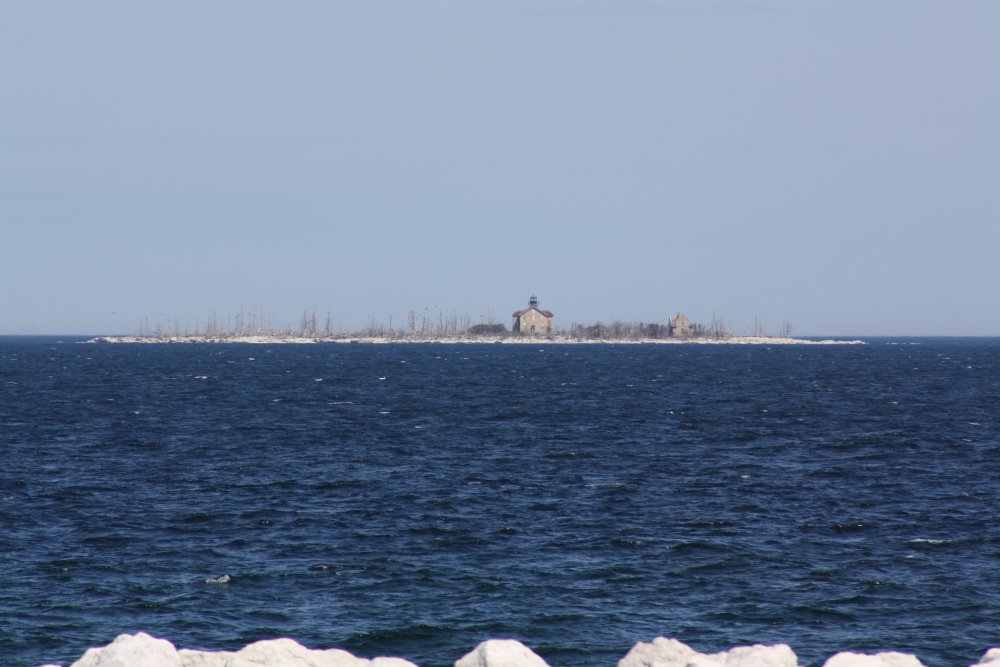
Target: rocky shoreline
[
  {"x": 143, "y": 650},
  {"x": 478, "y": 339}
]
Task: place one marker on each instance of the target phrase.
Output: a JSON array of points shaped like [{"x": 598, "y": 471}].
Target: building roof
[{"x": 546, "y": 313}]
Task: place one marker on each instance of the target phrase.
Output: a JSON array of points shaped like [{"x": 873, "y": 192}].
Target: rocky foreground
[{"x": 142, "y": 650}]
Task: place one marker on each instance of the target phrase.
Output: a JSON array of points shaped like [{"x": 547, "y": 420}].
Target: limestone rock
[
  {"x": 758, "y": 655},
  {"x": 886, "y": 659},
  {"x": 663, "y": 652},
  {"x": 271, "y": 653},
  {"x": 283, "y": 653},
  {"x": 138, "y": 650},
  {"x": 501, "y": 653},
  {"x": 991, "y": 658},
  {"x": 141, "y": 650}
]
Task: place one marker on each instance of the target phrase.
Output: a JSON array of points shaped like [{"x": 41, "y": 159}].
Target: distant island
[
  {"x": 506, "y": 339},
  {"x": 531, "y": 325}
]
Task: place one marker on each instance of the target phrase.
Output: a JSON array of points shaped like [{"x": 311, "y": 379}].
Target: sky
[{"x": 833, "y": 164}]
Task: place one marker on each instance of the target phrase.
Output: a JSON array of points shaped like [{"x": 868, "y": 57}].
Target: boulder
[
  {"x": 663, "y": 652},
  {"x": 991, "y": 658},
  {"x": 138, "y": 650},
  {"x": 886, "y": 659},
  {"x": 273, "y": 653},
  {"x": 501, "y": 653},
  {"x": 758, "y": 655},
  {"x": 141, "y": 650}
]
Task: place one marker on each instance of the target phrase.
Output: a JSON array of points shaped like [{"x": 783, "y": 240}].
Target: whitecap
[
  {"x": 224, "y": 579},
  {"x": 927, "y": 540}
]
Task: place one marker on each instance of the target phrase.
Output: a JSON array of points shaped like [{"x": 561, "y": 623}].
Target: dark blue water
[{"x": 415, "y": 499}]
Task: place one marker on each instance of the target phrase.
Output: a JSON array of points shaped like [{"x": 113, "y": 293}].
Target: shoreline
[
  {"x": 461, "y": 339},
  {"x": 144, "y": 650}
]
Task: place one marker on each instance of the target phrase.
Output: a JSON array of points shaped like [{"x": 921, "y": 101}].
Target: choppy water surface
[{"x": 415, "y": 499}]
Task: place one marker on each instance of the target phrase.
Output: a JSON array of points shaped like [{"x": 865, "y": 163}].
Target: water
[{"x": 414, "y": 500}]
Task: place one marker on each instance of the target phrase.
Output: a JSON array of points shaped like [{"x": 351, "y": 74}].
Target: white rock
[
  {"x": 758, "y": 655},
  {"x": 271, "y": 653},
  {"x": 991, "y": 658},
  {"x": 663, "y": 652},
  {"x": 191, "y": 658},
  {"x": 382, "y": 661},
  {"x": 283, "y": 653},
  {"x": 141, "y": 650},
  {"x": 501, "y": 653},
  {"x": 138, "y": 650},
  {"x": 887, "y": 659}
]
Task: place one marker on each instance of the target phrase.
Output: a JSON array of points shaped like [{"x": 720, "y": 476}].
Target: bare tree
[{"x": 718, "y": 327}]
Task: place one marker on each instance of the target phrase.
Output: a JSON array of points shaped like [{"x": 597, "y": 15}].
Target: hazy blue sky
[{"x": 832, "y": 163}]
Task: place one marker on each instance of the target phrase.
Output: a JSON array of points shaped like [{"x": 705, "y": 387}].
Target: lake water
[{"x": 414, "y": 500}]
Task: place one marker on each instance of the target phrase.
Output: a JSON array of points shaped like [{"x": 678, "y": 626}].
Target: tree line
[{"x": 258, "y": 321}]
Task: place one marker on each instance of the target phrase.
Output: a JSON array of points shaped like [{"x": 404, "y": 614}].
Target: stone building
[
  {"x": 679, "y": 327},
  {"x": 533, "y": 320}
]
